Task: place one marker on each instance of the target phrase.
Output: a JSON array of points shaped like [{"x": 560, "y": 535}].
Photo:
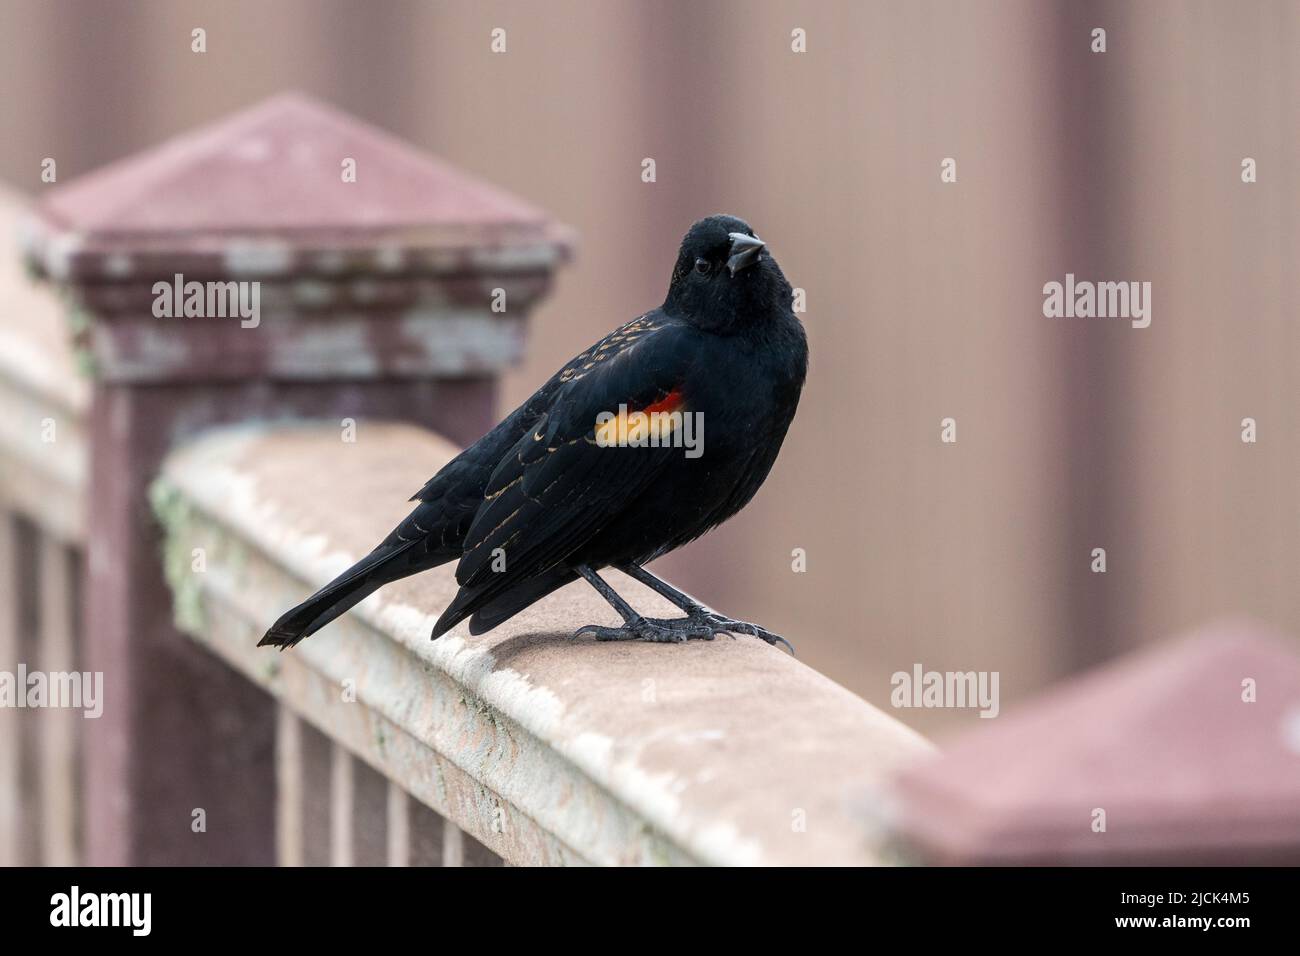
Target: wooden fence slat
[
  {"x": 58, "y": 757},
  {"x": 340, "y": 806},
  {"x": 453, "y": 844},
  {"x": 10, "y": 737},
  {"x": 316, "y": 758},
  {"x": 426, "y": 835},
  {"x": 370, "y": 799},
  {"x": 288, "y": 789},
  {"x": 399, "y": 826},
  {"x": 28, "y": 654}
]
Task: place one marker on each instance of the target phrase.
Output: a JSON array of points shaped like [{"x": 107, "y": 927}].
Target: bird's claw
[
  {"x": 725, "y": 625},
  {"x": 702, "y": 626}
]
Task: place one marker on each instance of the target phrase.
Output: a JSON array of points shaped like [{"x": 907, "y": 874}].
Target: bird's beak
[{"x": 745, "y": 251}]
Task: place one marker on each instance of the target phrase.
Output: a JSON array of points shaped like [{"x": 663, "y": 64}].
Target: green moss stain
[
  {"x": 78, "y": 319},
  {"x": 84, "y": 362},
  {"x": 177, "y": 517}
]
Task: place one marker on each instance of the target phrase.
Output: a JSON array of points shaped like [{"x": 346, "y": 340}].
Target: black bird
[{"x": 573, "y": 481}]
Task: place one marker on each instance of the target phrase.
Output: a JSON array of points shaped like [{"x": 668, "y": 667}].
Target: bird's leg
[
  {"x": 662, "y": 588},
  {"x": 635, "y": 627},
  {"x": 625, "y": 610},
  {"x": 698, "y": 617}
]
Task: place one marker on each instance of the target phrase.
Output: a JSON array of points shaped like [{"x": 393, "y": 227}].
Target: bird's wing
[
  {"x": 456, "y": 491},
  {"x": 558, "y": 486}
]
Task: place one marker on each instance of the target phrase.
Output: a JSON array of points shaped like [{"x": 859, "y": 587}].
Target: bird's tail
[
  {"x": 490, "y": 605},
  {"x": 386, "y": 563},
  {"x": 506, "y": 606}
]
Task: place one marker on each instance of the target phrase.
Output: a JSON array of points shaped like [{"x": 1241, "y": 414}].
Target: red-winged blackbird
[{"x": 573, "y": 481}]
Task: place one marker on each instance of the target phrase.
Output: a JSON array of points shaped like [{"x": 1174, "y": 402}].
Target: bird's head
[{"x": 725, "y": 278}]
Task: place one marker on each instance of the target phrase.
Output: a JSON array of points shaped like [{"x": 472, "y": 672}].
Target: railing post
[
  {"x": 341, "y": 276},
  {"x": 1185, "y": 753}
]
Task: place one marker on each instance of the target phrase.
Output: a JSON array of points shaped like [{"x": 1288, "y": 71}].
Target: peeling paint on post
[{"x": 374, "y": 304}]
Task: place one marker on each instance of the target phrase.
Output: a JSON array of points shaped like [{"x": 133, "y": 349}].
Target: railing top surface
[{"x": 733, "y": 750}]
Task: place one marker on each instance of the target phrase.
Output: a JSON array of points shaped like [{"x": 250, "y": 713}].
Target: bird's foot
[
  {"x": 701, "y": 625},
  {"x": 720, "y": 624},
  {"x": 644, "y": 629}
]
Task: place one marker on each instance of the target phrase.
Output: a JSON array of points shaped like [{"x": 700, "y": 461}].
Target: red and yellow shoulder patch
[{"x": 645, "y": 426}]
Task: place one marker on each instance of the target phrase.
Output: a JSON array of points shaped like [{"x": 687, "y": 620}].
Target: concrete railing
[{"x": 546, "y": 749}]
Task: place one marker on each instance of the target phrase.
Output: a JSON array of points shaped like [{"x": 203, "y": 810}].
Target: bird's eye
[{"x": 702, "y": 266}]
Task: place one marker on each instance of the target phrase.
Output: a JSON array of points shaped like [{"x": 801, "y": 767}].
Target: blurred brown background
[{"x": 924, "y": 298}]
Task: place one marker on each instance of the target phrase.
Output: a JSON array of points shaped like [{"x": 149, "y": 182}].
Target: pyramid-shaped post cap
[
  {"x": 266, "y": 192},
  {"x": 1186, "y": 753}
]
